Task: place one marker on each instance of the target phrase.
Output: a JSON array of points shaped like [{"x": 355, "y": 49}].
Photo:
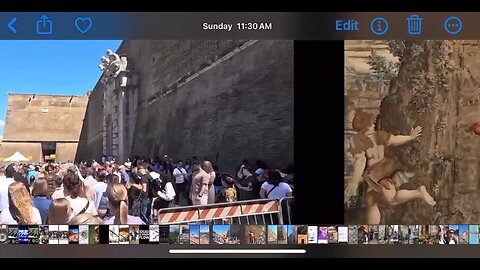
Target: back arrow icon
[{"x": 10, "y": 25}]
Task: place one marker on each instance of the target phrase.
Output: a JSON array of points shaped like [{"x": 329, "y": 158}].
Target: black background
[
  {"x": 318, "y": 128},
  {"x": 319, "y": 132},
  {"x": 103, "y": 234}
]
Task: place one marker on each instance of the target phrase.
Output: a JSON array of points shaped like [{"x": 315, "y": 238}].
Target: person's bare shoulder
[{"x": 205, "y": 177}]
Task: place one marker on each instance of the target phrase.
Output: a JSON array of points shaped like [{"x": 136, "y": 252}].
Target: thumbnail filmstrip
[
  {"x": 174, "y": 234},
  {"x": 123, "y": 234},
  {"x": 292, "y": 235},
  {"x": 33, "y": 234},
  {"x": 272, "y": 234},
  {"x": 282, "y": 234},
  {"x": 226, "y": 234},
  {"x": 52, "y": 234},
  {"x": 332, "y": 235},
  {"x": 184, "y": 235},
  {"x": 255, "y": 234},
  {"x": 414, "y": 234},
  {"x": 144, "y": 234},
  {"x": 73, "y": 234},
  {"x": 473, "y": 234},
  {"x": 312, "y": 234},
  {"x": 194, "y": 234},
  {"x": 302, "y": 234},
  {"x": 342, "y": 234},
  {"x": 113, "y": 234},
  {"x": 154, "y": 234},
  {"x": 463, "y": 234},
  {"x": 353, "y": 234},
  {"x": 12, "y": 234},
  {"x": 63, "y": 234},
  {"x": 134, "y": 234},
  {"x": 83, "y": 234},
  {"x": 3, "y": 234},
  {"x": 23, "y": 234},
  {"x": 43, "y": 234}
]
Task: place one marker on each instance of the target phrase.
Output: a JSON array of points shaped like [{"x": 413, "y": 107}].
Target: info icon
[{"x": 379, "y": 26}]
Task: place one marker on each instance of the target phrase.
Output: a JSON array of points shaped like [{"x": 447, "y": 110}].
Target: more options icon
[
  {"x": 379, "y": 26},
  {"x": 453, "y": 25}
]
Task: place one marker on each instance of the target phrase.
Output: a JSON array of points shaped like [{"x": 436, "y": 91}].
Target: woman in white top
[
  {"x": 21, "y": 210},
  {"x": 274, "y": 188},
  {"x": 77, "y": 200}
]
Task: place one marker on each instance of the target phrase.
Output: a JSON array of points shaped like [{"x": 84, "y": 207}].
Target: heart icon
[{"x": 83, "y": 24}]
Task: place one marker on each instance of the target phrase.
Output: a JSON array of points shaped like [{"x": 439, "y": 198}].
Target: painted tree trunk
[{"x": 437, "y": 88}]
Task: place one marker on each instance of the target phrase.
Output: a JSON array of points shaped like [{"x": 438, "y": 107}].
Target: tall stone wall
[
  {"x": 90, "y": 145},
  {"x": 219, "y": 100},
  {"x": 194, "y": 102}
]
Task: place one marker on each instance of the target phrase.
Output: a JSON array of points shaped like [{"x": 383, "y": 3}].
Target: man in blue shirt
[{"x": 124, "y": 178}]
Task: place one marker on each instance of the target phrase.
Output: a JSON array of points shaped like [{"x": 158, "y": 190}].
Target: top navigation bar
[{"x": 238, "y": 25}]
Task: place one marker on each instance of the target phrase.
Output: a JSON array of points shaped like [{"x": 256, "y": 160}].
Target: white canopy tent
[{"x": 17, "y": 157}]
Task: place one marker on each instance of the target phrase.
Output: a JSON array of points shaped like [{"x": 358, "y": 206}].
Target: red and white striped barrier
[{"x": 217, "y": 211}]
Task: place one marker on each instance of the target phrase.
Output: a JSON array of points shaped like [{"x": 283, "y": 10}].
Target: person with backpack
[
  {"x": 166, "y": 194},
  {"x": 247, "y": 184},
  {"x": 228, "y": 192},
  {"x": 118, "y": 205},
  {"x": 274, "y": 188},
  {"x": 77, "y": 199}
]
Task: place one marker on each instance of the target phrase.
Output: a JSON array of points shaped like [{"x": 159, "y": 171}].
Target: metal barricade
[
  {"x": 263, "y": 211},
  {"x": 285, "y": 213}
]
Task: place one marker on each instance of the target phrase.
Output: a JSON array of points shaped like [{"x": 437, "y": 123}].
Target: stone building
[
  {"x": 223, "y": 100},
  {"x": 43, "y": 127}
]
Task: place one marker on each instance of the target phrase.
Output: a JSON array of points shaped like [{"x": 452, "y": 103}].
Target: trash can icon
[{"x": 414, "y": 25}]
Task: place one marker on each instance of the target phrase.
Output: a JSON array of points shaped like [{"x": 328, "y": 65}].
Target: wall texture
[
  {"x": 90, "y": 145},
  {"x": 27, "y": 149},
  {"x": 32, "y": 119},
  {"x": 219, "y": 100},
  {"x": 26, "y": 121},
  {"x": 241, "y": 108}
]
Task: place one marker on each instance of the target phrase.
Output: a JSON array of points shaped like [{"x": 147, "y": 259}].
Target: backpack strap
[
  {"x": 85, "y": 208},
  {"x": 274, "y": 186}
]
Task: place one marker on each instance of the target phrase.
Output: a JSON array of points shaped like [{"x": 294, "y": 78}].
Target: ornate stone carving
[{"x": 111, "y": 65}]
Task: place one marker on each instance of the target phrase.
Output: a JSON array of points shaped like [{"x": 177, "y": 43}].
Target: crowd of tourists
[{"x": 131, "y": 193}]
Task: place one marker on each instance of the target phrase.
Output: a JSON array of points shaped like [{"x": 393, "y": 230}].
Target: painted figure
[{"x": 383, "y": 175}]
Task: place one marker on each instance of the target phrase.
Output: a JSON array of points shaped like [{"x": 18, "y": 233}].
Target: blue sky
[
  {"x": 221, "y": 228},
  {"x": 194, "y": 230},
  {"x": 57, "y": 67},
  {"x": 204, "y": 228},
  {"x": 273, "y": 228}
]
